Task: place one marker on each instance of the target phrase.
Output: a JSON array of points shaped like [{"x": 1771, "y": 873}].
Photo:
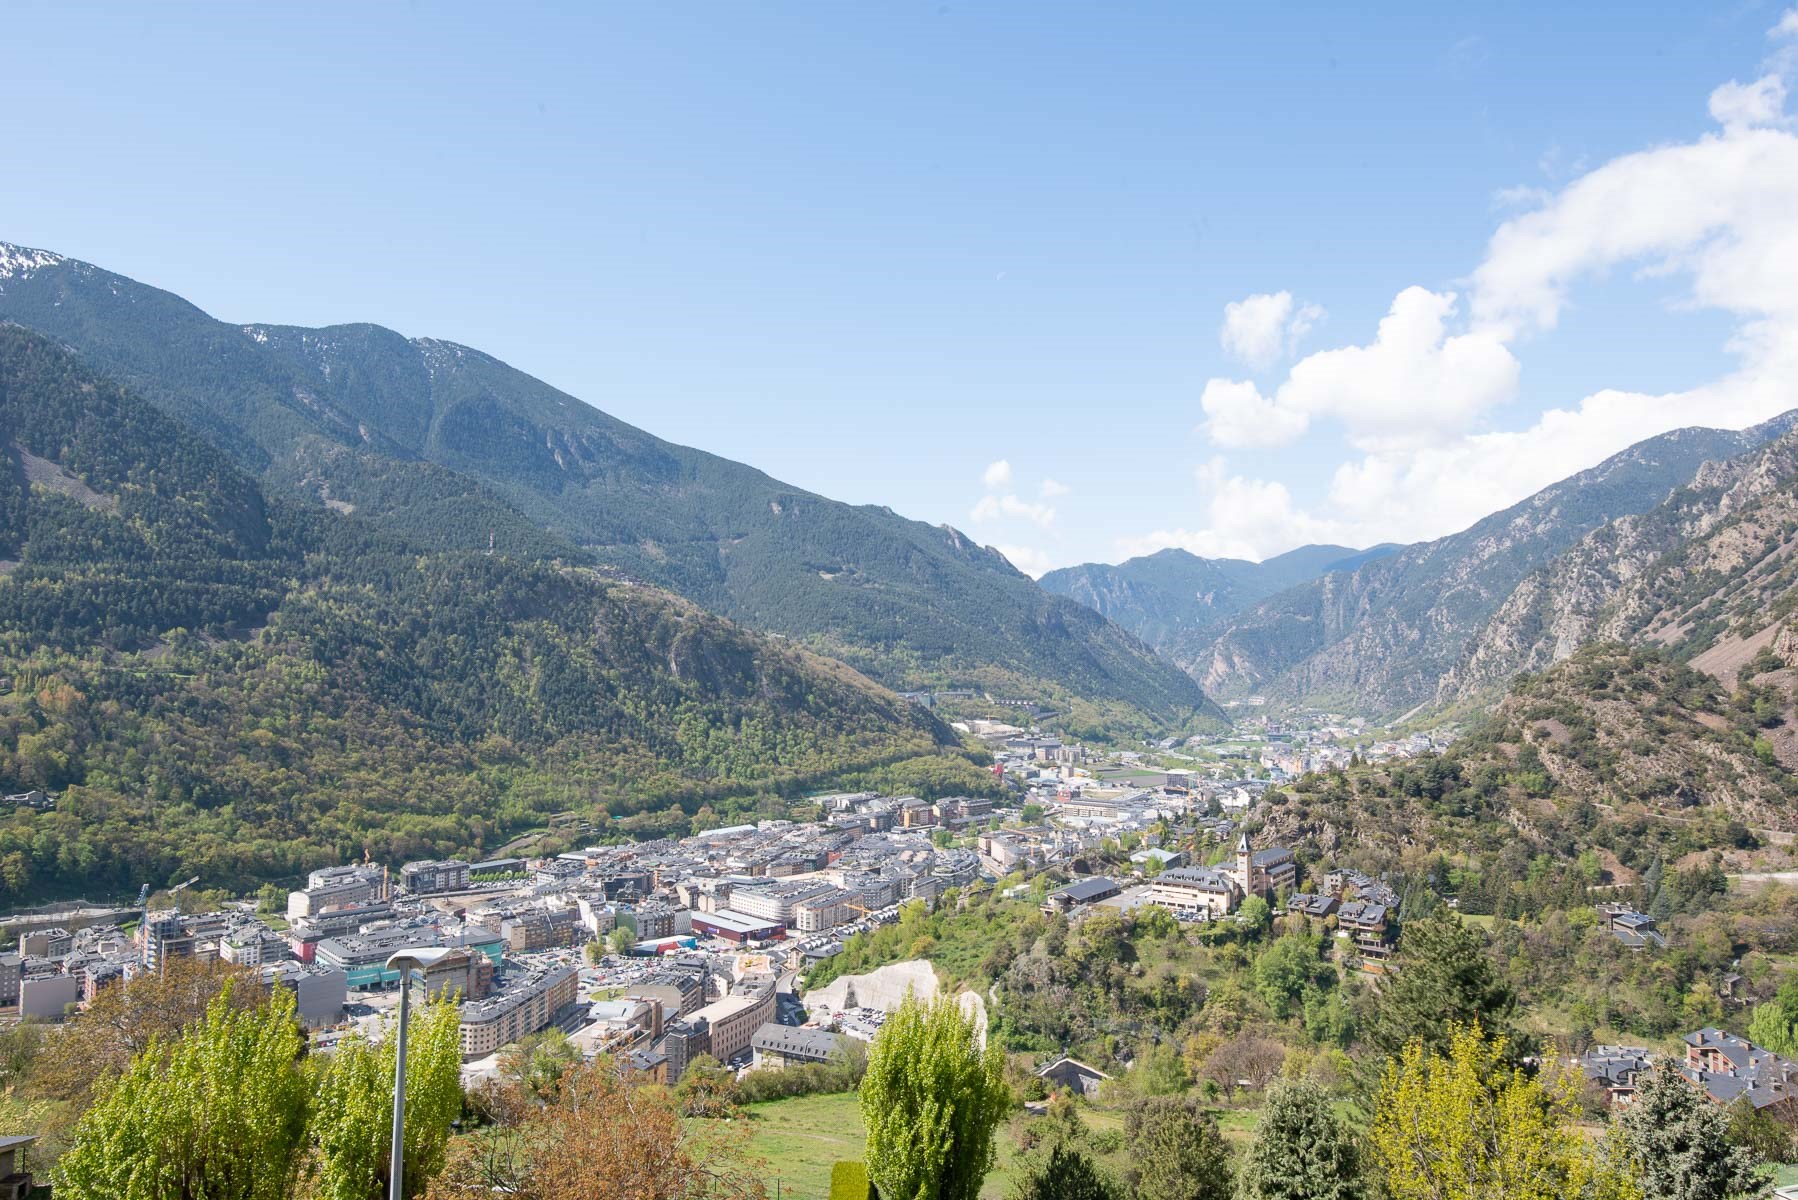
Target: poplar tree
[
  {"x": 218, "y": 1112},
  {"x": 930, "y": 1102},
  {"x": 354, "y": 1123}
]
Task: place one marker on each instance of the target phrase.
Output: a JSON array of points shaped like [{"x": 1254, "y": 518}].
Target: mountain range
[
  {"x": 1173, "y": 595},
  {"x": 224, "y": 682},
  {"x": 453, "y": 449},
  {"x": 1437, "y": 623}
]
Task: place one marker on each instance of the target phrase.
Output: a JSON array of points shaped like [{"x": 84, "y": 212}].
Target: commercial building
[
  {"x": 48, "y": 997},
  {"x": 362, "y": 957},
  {"x": 429, "y": 875},
  {"x": 526, "y": 1004},
  {"x": 338, "y": 887},
  {"x": 734, "y": 1020},
  {"x": 319, "y": 992},
  {"x": 785, "y": 1045},
  {"x": 737, "y": 927}
]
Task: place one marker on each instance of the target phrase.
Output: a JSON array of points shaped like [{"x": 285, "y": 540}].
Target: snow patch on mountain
[{"x": 21, "y": 261}]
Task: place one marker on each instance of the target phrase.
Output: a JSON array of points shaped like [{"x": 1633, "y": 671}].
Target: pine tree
[
  {"x": 931, "y": 1100},
  {"x": 1679, "y": 1145},
  {"x": 1302, "y": 1150},
  {"x": 1445, "y": 978},
  {"x": 1066, "y": 1174},
  {"x": 1176, "y": 1150}
]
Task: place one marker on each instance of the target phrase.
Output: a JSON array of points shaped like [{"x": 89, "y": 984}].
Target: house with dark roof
[
  {"x": 1731, "y": 1068},
  {"x": 1090, "y": 890},
  {"x": 1072, "y": 1075},
  {"x": 1304, "y": 904},
  {"x": 1634, "y": 929},
  {"x": 778, "y": 1045},
  {"x": 1369, "y": 926},
  {"x": 1615, "y": 1069}
]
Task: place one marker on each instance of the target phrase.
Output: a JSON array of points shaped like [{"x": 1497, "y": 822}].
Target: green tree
[
  {"x": 355, "y": 1106},
  {"x": 1176, "y": 1150},
  {"x": 1256, "y": 916},
  {"x": 1285, "y": 969},
  {"x": 1775, "y": 1023},
  {"x": 1065, "y": 1173},
  {"x": 536, "y": 1063},
  {"x": 1463, "y": 1124},
  {"x": 931, "y": 1100},
  {"x": 620, "y": 940},
  {"x": 1302, "y": 1150},
  {"x": 219, "y": 1113},
  {"x": 1445, "y": 978},
  {"x": 1679, "y": 1144}
]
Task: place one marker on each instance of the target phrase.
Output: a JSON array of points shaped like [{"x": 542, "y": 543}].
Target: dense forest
[
  {"x": 217, "y": 683},
  {"x": 451, "y": 448}
]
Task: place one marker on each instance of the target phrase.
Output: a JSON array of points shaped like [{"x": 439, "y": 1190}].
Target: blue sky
[{"x": 877, "y": 249}]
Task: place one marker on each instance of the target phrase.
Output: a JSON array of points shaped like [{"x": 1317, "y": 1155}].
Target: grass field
[{"x": 799, "y": 1140}]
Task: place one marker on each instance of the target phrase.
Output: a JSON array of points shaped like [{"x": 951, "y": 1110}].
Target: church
[{"x": 1263, "y": 872}]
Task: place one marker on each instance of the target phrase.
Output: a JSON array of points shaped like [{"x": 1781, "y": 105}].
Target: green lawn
[{"x": 799, "y": 1140}]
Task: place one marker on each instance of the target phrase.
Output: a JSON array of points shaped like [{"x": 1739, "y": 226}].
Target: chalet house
[
  {"x": 1731, "y": 1068},
  {"x": 1073, "y": 1075},
  {"x": 1634, "y": 929},
  {"x": 1369, "y": 926},
  {"x": 1615, "y": 1069},
  {"x": 1304, "y": 904}
]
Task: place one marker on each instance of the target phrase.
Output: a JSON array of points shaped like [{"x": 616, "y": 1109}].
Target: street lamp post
[{"x": 405, "y": 962}]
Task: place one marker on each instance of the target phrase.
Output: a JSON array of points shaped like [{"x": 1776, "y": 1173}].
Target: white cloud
[
  {"x": 1719, "y": 213},
  {"x": 1258, "y": 329},
  {"x": 1414, "y": 384},
  {"x": 1746, "y": 105},
  {"x": 1238, "y": 415},
  {"x": 1031, "y": 561},
  {"x": 1051, "y": 488},
  {"x": 991, "y": 507},
  {"x": 1787, "y": 25},
  {"x": 997, "y": 475}
]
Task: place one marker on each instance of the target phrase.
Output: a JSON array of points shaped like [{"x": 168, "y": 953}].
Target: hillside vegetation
[
  {"x": 224, "y": 685},
  {"x": 453, "y": 449},
  {"x": 1379, "y": 640}
]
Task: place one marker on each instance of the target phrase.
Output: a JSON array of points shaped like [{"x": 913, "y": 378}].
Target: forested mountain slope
[
  {"x": 1709, "y": 573},
  {"x": 1380, "y": 639},
  {"x": 453, "y": 448},
  {"x": 1173, "y": 594},
  {"x": 223, "y": 685},
  {"x": 1612, "y": 765}
]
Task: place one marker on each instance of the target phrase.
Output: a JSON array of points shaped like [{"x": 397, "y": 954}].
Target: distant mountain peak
[{"x": 22, "y": 261}]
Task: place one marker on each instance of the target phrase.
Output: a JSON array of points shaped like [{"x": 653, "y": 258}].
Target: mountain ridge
[
  {"x": 1381, "y": 637},
  {"x": 216, "y": 682},
  {"x": 363, "y": 418},
  {"x": 1173, "y": 593}
]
